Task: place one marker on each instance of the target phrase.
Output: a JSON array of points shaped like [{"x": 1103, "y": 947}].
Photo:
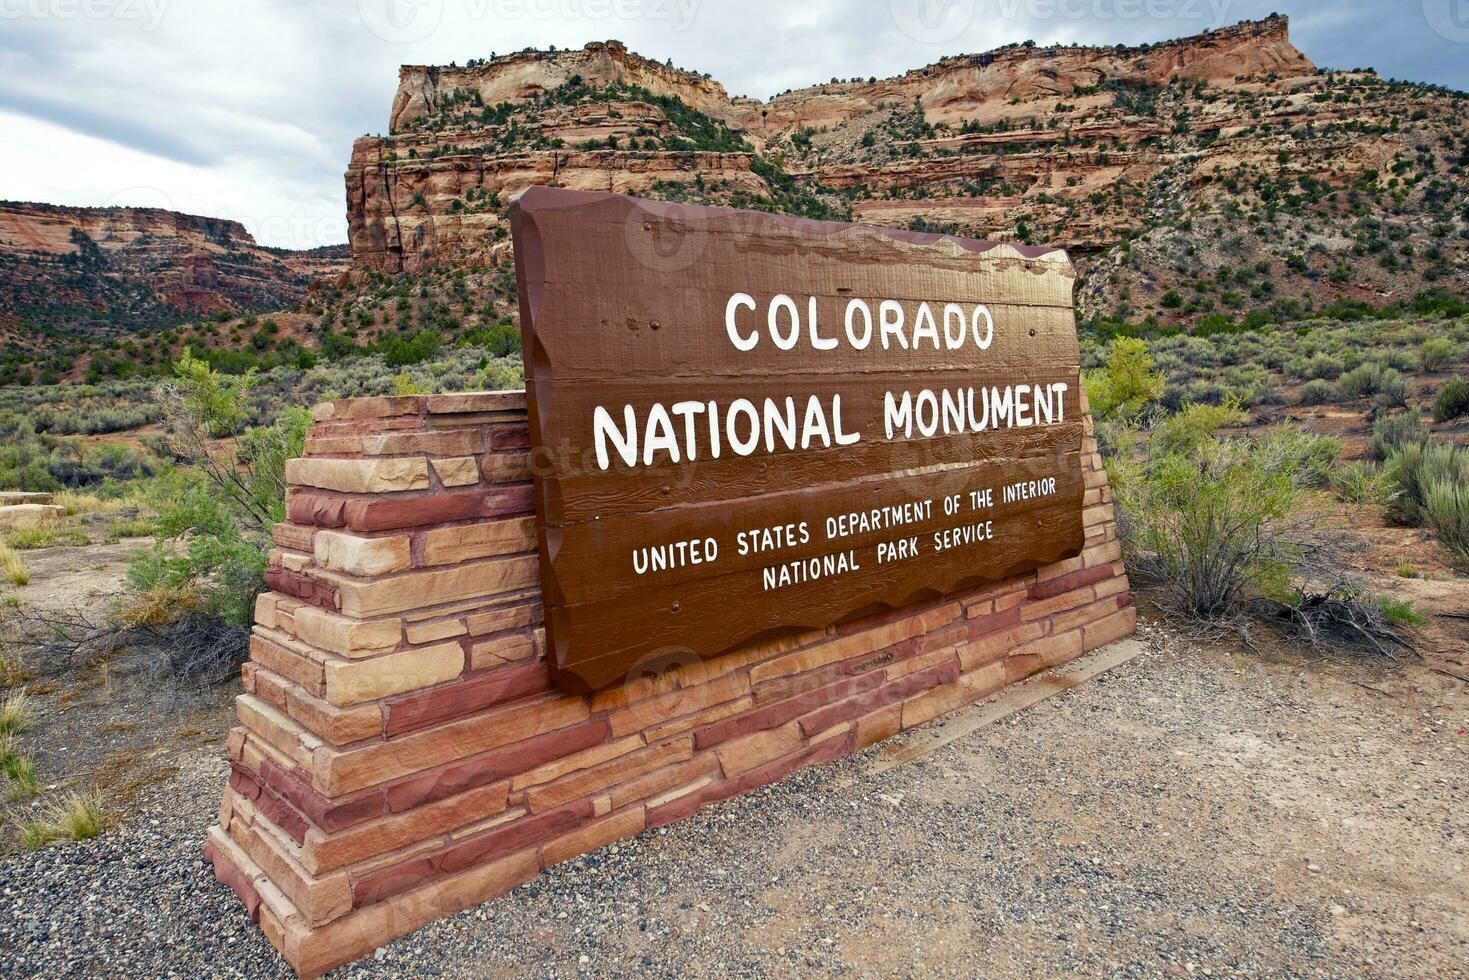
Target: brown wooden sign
[{"x": 745, "y": 423}]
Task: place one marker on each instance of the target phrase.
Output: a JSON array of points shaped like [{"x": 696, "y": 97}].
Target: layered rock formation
[
  {"x": 106, "y": 271},
  {"x": 1122, "y": 155}
]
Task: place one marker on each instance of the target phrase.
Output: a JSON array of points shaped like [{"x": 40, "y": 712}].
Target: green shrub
[
  {"x": 1418, "y": 467},
  {"x": 1391, "y": 433},
  {"x": 1310, "y": 457},
  {"x": 1393, "y": 390},
  {"x": 1193, "y": 426},
  {"x": 212, "y": 531},
  {"x": 1211, "y": 524},
  {"x": 1452, "y": 400},
  {"x": 1364, "y": 379},
  {"x": 1364, "y": 483},
  {"x": 1437, "y": 353},
  {"x": 1126, "y": 384},
  {"x": 1315, "y": 392},
  {"x": 1446, "y": 512}
]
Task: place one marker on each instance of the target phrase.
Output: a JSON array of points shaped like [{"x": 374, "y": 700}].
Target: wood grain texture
[{"x": 623, "y": 306}]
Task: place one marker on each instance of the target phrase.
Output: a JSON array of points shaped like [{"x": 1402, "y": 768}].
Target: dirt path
[{"x": 1193, "y": 812}]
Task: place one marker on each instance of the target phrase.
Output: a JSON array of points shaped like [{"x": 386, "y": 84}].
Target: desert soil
[{"x": 1200, "y": 810}]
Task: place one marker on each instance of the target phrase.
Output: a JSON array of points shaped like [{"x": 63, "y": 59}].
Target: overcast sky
[{"x": 248, "y": 108}]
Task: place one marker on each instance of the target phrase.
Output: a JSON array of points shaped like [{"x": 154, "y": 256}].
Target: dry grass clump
[
  {"x": 76, "y": 816},
  {"x": 159, "y": 606},
  {"x": 19, "y": 775},
  {"x": 11, "y": 567}
]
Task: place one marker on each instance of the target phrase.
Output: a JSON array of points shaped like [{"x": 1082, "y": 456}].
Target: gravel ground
[{"x": 1193, "y": 812}]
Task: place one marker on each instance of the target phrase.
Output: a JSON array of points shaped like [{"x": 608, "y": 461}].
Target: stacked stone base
[{"x": 402, "y": 754}]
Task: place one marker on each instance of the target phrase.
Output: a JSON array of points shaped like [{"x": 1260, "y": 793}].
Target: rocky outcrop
[
  {"x": 113, "y": 270},
  {"x": 1231, "y": 136}
]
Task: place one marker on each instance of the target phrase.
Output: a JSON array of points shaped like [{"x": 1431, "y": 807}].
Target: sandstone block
[
  {"x": 413, "y": 590},
  {"x": 324, "y": 852},
  {"x": 380, "y": 475},
  {"x": 502, "y": 763},
  {"x": 431, "y": 632},
  {"x": 355, "y": 681},
  {"x": 498, "y": 651},
  {"x": 362, "y": 556},
  {"x": 742, "y": 755},
  {"x": 592, "y": 836},
  {"x": 341, "y": 771},
  {"x": 476, "y": 401},
  {"x": 1114, "y": 627},
  {"x": 505, "y": 467},
  {"x": 588, "y": 781},
  {"x": 345, "y": 636},
  {"x": 460, "y": 471},
  {"x": 465, "y": 696},
  {"x": 446, "y": 545}
]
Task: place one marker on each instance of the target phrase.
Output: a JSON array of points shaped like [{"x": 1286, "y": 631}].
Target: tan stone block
[
  {"x": 447, "y": 545},
  {"x": 362, "y": 556},
  {"x": 355, "y": 681},
  {"x": 444, "y": 442},
  {"x": 1089, "y": 613},
  {"x": 346, "y": 636},
  {"x": 337, "y": 725},
  {"x": 470, "y": 402},
  {"x": 592, "y": 836},
  {"x": 1111, "y": 586},
  {"x": 500, "y": 650},
  {"x": 340, "y": 771},
  {"x": 297, "y": 536},
  {"x": 740, "y": 755},
  {"x": 581, "y": 760},
  {"x": 265, "y": 609},
  {"x": 1096, "y": 514},
  {"x": 294, "y": 561},
  {"x": 380, "y": 475},
  {"x": 324, "y": 852},
  {"x": 1101, "y": 554},
  {"x": 276, "y": 728},
  {"x": 460, "y": 471},
  {"x": 444, "y": 629},
  {"x": 373, "y": 407},
  {"x": 983, "y": 682},
  {"x": 519, "y": 610},
  {"x": 661, "y": 780},
  {"x": 655, "y": 733},
  {"x": 643, "y": 714},
  {"x": 432, "y": 587},
  {"x": 929, "y": 705},
  {"x": 877, "y": 725},
  {"x": 1114, "y": 627},
  {"x": 1042, "y": 609},
  {"x": 589, "y": 781},
  {"x": 271, "y": 652}
]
